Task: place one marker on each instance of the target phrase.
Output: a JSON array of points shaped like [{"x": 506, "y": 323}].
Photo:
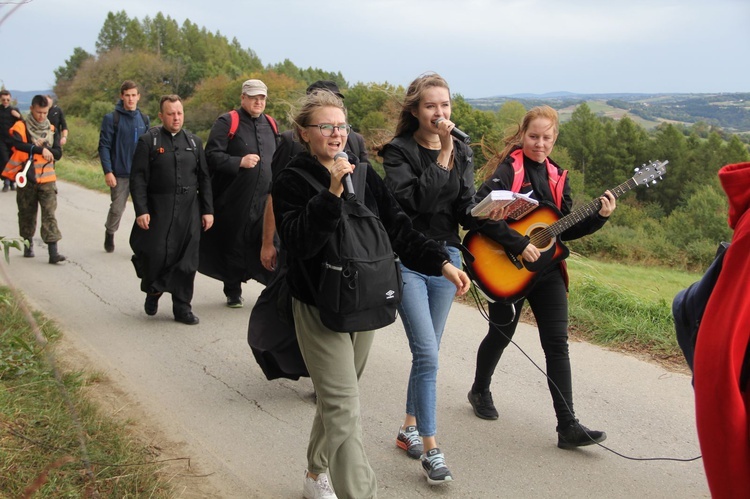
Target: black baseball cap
[{"x": 325, "y": 85}]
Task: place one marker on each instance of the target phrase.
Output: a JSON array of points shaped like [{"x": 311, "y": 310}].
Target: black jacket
[
  {"x": 536, "y": 184},
  {"x": 306, "y": 219},
  {"x": 7, "y": 120},
  {"x": 436, "y": 200},
  {"x": 56, "y": 116}
]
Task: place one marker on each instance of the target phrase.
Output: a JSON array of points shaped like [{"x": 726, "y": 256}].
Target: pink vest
[{"x": 556, "y": 181}]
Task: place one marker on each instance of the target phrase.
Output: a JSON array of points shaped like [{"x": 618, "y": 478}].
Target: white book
[{"x": 520, "y": 204}]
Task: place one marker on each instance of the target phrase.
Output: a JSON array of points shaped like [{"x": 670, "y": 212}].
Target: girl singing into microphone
[{"x": 432, "y": 177}]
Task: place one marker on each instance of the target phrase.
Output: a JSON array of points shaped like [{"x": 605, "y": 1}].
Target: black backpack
[{"x": 360, "y": 279}]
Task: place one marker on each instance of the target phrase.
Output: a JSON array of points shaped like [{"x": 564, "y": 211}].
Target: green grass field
[{"x": 626, "y": 307}]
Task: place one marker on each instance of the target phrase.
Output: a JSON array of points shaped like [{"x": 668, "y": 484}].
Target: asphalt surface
[{"x": 201, "y": 389}]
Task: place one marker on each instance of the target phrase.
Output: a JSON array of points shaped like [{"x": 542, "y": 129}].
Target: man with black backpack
[
  {"x": 117, "y": 139},
  {"x": 239, "y": 152},
  {"x": 173, "y": 205}
]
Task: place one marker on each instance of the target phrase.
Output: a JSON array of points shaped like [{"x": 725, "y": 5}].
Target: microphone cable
[{"x": 485, "y": 314}]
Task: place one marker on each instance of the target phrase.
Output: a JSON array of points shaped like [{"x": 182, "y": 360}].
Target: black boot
[
  {"x": 152, "y": 303},
  {"x": 109, "y": 242},
  {"x": 54, "y": 256},
  {"x": 28, "y": 251}
]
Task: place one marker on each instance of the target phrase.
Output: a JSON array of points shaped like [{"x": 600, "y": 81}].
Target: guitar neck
[{"x": 587, "y": 210}]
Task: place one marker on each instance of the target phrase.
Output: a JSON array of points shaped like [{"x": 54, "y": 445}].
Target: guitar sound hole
[{"x": 539, "y": 240}]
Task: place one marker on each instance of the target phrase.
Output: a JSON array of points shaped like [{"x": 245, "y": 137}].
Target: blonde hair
[
  {"x": 515, "y": 137},
  {"x": 310, "y": 103}
]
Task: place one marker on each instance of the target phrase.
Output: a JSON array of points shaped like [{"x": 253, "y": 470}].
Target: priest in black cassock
[{"x": 171, "y": 192}]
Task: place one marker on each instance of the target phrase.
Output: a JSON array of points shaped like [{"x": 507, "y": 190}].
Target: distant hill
[
  {"x": 729, "y": 111},
  {"x": 23, "y": 97}
]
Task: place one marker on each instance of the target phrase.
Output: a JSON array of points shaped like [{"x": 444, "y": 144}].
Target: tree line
[{"x": 677, "y": 222}]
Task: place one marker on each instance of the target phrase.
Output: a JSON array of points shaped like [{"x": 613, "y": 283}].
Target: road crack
[{"x": 242, "y": 395}]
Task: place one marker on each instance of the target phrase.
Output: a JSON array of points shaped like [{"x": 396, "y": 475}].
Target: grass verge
[
  {"x": 627, "y": 307},
  {"x": 623, "y": 307},
  {"x": 41, "y": 450},
  {"x": 86, "y": 173}
]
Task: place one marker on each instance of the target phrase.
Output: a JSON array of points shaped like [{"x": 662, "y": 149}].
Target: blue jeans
[{"x": 424, "y": 310}]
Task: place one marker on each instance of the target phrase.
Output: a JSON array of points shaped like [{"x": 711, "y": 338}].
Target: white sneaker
[{"x": 318, "y": 489}]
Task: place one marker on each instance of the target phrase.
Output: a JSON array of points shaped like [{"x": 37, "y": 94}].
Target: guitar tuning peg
[{"x": 636, "y": 170}]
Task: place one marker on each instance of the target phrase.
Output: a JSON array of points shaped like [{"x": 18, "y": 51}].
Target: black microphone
[
  {"x": 463, "y": 137},
  {"x": 346, "y": 179}
]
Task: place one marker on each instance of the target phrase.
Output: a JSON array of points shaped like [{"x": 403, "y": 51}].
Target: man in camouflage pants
[{"x": 36, "y": 137}]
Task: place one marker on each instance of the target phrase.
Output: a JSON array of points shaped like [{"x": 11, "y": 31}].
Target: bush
[
  {"x": 702, "y": 216},
  {"x": 83, "y": 142},
  {"x": 97, "y": 111},
  {"x": 701, "y": 253}
]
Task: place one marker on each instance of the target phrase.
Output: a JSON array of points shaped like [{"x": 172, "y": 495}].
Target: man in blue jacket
[{"x": 117, "y": 139}]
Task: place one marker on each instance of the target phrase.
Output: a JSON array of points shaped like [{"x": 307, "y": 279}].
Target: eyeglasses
[{"x": 326, "y": 129}]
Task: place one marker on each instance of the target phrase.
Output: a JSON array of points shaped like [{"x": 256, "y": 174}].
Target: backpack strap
[
  {"x": 274, "y": 125},
  {"x": 191, "y": 138},
  {"x": 310, "y": 179},
  {"x": 359, "y": 180},
  {"x": 145, "y": 118},
  {"x": 353, "y": 145},
  {"x": 234, "y": 123},
  {"x": 156, "y": 147},
  {"x": 518, "y": 171},
  {"x": 115, "y": 126}
]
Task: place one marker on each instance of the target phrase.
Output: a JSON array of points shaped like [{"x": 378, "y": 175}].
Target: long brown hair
[
  {"x": 407, "y": 122},
  {"x": 515, "y": 137}
]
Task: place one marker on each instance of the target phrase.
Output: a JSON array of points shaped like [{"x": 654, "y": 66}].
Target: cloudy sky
[{"x": 482, "y": 47}]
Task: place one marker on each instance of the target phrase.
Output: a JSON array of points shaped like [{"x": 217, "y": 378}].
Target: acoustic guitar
[{"x": 507, "y": 278}]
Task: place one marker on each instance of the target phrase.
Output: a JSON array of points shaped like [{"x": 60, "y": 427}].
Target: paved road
[{"x": 202, "y": 389}]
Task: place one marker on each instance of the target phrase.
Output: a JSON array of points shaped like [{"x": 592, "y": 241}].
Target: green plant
[
  {"x": 11, "y": 242},
  {"x": 46, "y": 415},
  {"x": 83, "y": 142}
]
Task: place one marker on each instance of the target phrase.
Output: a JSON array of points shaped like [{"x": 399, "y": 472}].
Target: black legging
[{"x": 549, "y": 303}]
